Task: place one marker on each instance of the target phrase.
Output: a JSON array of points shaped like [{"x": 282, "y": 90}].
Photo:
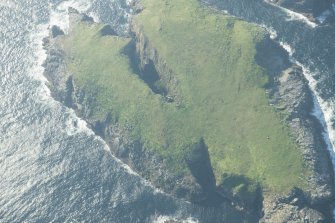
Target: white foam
[
  {"x": 58, "y": 16},
  {"x": 59, "y": 13},
  {"x": 130, "y": 2},
  {"x": 294, "y": 15},
  {"x": 9, "y": 4},
  {"x": 299, "y": 17},
  {"x": 323, "y": 110},
  {"x": 288, "y": 49},
  {"x": 129, "y": 170},
  {"x": 271, "y": 31},
  {"x": 164, "y": 219},
  {"x": 75, "y": 125},
  {"x": 39, "y": 57}
]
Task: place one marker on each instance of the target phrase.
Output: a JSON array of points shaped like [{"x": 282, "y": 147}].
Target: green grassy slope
[{"x": 223, "y": 100}]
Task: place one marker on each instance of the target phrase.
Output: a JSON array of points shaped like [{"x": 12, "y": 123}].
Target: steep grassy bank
[{"x": 217, "y": 94}]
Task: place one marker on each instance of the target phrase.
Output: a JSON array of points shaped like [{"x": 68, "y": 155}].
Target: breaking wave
[
  {"x": 165, "y": 219},
  {"x": 294, "y": 15},
  {"x": 323, "y": 110}
]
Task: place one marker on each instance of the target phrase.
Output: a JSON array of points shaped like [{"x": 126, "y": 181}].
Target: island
[{"x": 203, "y": 105}]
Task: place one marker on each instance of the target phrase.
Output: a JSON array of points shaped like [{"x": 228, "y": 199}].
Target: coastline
[
  {"x": 289, "y": 93},
  {"x": 64, "y": 89}
]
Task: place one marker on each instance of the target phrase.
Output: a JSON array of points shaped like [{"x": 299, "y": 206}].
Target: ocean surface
[{"x": 55, "y": 170}]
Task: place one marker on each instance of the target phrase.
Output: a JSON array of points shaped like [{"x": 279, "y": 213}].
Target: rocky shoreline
[
  {"x": 312, "y": 9},
  {"x": 288, "y": 93},
  {"x": 140, "y": 159}
]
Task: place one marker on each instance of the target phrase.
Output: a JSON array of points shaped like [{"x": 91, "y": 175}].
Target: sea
[{"x": 53, "y": 168}]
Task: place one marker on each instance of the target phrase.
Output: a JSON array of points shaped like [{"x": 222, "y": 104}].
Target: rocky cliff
[
  {"x": 198, "y": 186},
  {"x": 288, "y": 93}
]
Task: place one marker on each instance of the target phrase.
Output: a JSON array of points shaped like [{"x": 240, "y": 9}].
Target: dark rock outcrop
[
  {"x": 107, "y": 30},
  {"x": 56, "y": 31},
  {"x": 289, "y": 93}
]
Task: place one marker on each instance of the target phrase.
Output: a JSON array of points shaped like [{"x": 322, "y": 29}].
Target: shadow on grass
[{"x": 148, "y": 73}]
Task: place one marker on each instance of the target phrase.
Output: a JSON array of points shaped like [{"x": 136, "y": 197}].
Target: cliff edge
[{"x": 160, "y": 105}]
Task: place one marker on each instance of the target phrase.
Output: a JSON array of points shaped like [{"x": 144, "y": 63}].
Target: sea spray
[
  {"x": 270, "y": 30},
  {"x": 294, "y": 15},
  {"x": 322, "y": 110},
  {"x": 59, "y": 13},
  {"x": 40, "y": 55},
  {"x": 73, "y": 125},
  {"x": 41, "y": 31},
  {"x": 163, "y": 219}
]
